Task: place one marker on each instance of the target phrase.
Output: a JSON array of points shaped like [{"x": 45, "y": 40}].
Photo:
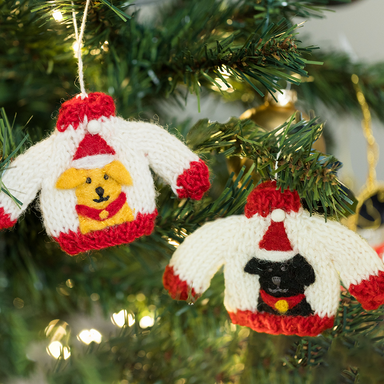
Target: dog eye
[
  {"x": 284, "y": 268},
  {"x": 106, "y": 177},
  {"x": 269, "y": 269},
  {"x": 88, "y": 181}
]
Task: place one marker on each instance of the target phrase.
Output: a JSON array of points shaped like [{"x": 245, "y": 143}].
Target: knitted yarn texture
[
  {"x": 94, "y": 175},
  {"x": 282, "y": 267}
]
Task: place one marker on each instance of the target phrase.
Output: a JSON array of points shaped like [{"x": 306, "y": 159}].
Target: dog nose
[
  {"x": 276, "y": 280},
  {"x": 99, "y": 191}
]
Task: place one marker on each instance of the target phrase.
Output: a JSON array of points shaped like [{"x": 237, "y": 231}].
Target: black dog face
[{"x": 282, "y": 279}]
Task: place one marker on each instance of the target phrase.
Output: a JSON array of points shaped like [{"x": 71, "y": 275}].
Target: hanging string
[
  {"x": 373, "y": 151},
  {"x": 79, "y": 39}
]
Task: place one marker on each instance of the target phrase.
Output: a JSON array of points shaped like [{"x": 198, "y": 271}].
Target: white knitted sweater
[
  {"x": 334, "y": 252},
  {"x": 139, "y": 146}
]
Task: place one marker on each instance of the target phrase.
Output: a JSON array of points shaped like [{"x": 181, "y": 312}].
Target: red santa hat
[
  {"x": 85, "y": 109},
  {"x": 93, "y": 150},
  {"x": 266, "y": 200}
]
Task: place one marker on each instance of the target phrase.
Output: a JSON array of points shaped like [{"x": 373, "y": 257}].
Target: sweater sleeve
[
  {"x": 172, "y": 160},
  {"x": 360, "y": 268},
  {"x": 199, "y": 257},
  {"x": 23, "y": 179}
]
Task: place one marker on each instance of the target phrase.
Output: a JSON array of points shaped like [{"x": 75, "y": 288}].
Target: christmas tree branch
[
  {"x": 283, "y": 154},
  {"x": 9, "y": 135}
]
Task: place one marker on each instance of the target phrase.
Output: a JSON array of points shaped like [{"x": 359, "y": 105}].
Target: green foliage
[
  {"x": 284, "y": 154},
  {"x": 252, "y": 45},
  {"x": 8, "y": 135}
]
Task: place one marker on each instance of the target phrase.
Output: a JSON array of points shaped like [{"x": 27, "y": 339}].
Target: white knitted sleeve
[
  {"x": 167, "y": 156},
  {"x": 24, "y": 176},
  {"x": 199, "y": 257},
  {"x": 352, "y": 256}
]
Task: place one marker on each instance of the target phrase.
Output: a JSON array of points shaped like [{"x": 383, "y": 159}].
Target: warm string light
[{"x": 57, "y": 15}]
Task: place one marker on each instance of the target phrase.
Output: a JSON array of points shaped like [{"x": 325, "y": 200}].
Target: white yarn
[
  {"x": 139, "y": 146},
  {"x": 91, "y": 162},
  {"x": 329, "y": 248},
  {"x": 79, "y": 40}
]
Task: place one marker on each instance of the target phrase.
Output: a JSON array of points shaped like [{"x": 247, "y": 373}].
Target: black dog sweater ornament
[{"x": 282, "y": 267}]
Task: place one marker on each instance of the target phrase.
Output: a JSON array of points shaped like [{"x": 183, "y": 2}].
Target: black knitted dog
[{"x": 282, "y": 285}]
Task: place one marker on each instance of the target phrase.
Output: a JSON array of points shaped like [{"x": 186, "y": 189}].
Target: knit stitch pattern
[
  {"x": 194, "y": 182},
  {"x": 75, "y": 111},
  {"x": 177, "y": 288},
  {"x": 263, "y": 199},
  {"x": 5, "y": 220},
  {"x": 107, "y": 157},
  {"x": 250, "y": 248},
  {"x": 75, "y": 242},
  {"x": 282, "y": 325}
]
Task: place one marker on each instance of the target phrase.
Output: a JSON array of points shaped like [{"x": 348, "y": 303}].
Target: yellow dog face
[{"x": 96, "y": 188}]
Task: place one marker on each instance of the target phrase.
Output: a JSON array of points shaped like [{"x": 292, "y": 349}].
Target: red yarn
[
  {"x": 94, "y": 213},
  {"x": 292, "y": 301},
  {"x": 379, "y": 249},
  {"x": 93, "y": 145},
  {"x": 75, "y": 242},
  {"x": 177, "y": 288},
  {"x": 286, "y": 325},
  {"x": 73, "y": 111},
  {"x": 370, "y": 293},
  {"x": 264, "y": 198},
  {"x": 5, "y": 220},
  {"x": 194, "y": 181},
  {"x": 275, "y": 239}
]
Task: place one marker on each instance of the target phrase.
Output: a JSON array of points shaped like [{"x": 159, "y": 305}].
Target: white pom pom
[
  {"x": 94, "y": 127},
  {"x": 278, "y": 215}
]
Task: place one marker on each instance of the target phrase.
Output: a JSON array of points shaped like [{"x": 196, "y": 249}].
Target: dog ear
[
  {"x": 71, "y": 178},
  {"x": 117, "y": 171},
  {"x": 256, "y": 266},
  {"x": 303, "y": 270}
]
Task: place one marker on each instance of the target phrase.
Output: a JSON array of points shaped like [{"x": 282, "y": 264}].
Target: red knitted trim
[
  {"x": 5, "y": 220},
  {"x": 93, "y": 145},
  {"x": 94, "y": 213},
  {"x": 370, "y": 293},
  {"x": 73, "y": 111},
  {"x": 275, "y": 239},
  {"x": 194, "y": 181},
  {"x": 282, "y": 325},
  {"x": 177, "y": 288},
  {"x": 75, "y": 242},
  {"x": 264, "y": 198}
]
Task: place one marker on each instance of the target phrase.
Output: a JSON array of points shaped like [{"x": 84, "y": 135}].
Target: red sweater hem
[
  {"x": 75, "y": 242},
  {"x": 287, "y": 325}
]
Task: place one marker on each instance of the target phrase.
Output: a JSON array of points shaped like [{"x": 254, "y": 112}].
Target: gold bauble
[{"x": 269, "y": 116}]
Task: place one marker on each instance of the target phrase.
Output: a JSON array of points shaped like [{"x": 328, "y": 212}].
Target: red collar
[
  {"x": 94, "y": 213},
  {"x": 281, "y": 304}
]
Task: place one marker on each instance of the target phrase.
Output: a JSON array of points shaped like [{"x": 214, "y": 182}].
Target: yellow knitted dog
[{"x": 100, "y": 201}]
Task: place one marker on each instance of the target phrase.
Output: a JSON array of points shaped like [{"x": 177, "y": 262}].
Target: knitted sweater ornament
[
  {"x": 282, "y": 267},
  {"x": 94, "y": 175}
]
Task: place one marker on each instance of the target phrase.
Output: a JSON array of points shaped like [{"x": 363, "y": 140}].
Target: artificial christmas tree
[{"x": 103, "y": 316}]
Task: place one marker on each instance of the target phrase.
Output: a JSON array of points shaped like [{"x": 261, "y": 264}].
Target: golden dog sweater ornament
[
  {"x": 94, "y": 175},
  {"x": 282, "y": 267}
]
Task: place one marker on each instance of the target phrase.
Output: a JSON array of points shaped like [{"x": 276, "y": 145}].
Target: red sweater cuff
[
  {"x": 194, "y": 181},
  {"x": 177, "y": 288},
  {"x": 5, "y": 220},
  {"x": 370, "y": 293}
]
